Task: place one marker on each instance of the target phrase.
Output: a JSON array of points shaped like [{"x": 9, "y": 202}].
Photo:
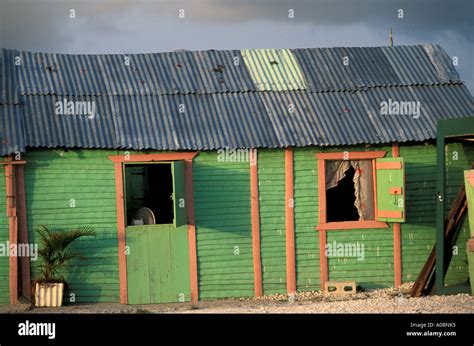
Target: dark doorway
[
  {"x": 150, "y": 186},
  {"x": 340, "y": 200}
]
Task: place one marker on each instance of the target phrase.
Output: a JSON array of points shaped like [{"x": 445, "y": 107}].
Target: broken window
[{"x": 349, "y": 191}]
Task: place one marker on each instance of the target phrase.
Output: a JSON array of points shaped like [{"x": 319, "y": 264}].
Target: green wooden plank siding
[
  {"x": 222, "y": 207},
  {"x": 55, "y": 181},
  {"x": 158, "y": 264},
  {"x": 373, "y": 266},
  {"x": 306, "y": 218},
  {"x": 419, "y": 231},
  {"x": 224, "y": 239},
  {"x": 376, "y": 269},
  {"x": 4, "y": 236},
  {"x": 271, "y": 188},
  {"x": 459, "y": 157}
]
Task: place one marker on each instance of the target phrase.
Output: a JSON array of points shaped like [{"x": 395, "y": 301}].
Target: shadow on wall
[{"x": 70, "y": 188}]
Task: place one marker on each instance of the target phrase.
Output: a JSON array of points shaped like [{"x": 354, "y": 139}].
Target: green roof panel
[{"x": 273, "y": 69}]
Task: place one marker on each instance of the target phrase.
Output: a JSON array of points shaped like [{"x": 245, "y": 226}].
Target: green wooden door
[{"x": 157, "y": 264}]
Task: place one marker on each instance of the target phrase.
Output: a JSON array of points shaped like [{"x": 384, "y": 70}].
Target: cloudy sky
[{"x": 126, "y": 26}]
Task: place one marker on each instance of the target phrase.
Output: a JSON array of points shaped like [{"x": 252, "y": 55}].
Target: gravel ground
[{"x": 388, "y": 300}]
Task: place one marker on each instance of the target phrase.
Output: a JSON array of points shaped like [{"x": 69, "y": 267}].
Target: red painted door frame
[{"x": 119, "y": 161}]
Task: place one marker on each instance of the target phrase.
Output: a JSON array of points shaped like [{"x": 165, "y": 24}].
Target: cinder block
[{"x": 341, "y": 287}]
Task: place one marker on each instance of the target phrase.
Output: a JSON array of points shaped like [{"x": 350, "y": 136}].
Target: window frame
[
  {"x": 323, "y": 225},
  {"x": 129, "y": 164}
]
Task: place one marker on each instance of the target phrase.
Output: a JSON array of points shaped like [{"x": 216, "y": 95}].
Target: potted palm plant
[{"x": 55, "y": 256}]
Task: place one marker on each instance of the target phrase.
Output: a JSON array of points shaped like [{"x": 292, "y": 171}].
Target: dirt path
[{"x": 388, "y": 300}]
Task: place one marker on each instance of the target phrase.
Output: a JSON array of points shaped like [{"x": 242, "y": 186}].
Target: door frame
[{"x": 119, "y": 161}]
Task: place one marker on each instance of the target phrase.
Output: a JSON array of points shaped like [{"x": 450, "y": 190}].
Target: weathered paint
[
  {"x": 13, "y": 229},
  {"x": 193, "y": 270},
  {"x": 66, "y": 189},
  {"x": 390, "y": 189},
  {"x": 223, "y": 220},
  {"x": 454, "y": 175},
  {"x": 397, "y": 229},
  {"x": 273, "y": 69},
  {"x": 157, "y": 264},
  {"x": 4, "y": 237},
  {"x": 255, "y": 206},
  {"x": 469, "y": 185},
  {"x": 419, "y": 234},
  {"x": 290, "y": 222},
  {"x": 306, "y": 217},
  {"x": 271, "y": 178}
]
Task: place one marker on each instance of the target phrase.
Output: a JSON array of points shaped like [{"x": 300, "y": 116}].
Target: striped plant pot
[{"x": 49, "y": 295}]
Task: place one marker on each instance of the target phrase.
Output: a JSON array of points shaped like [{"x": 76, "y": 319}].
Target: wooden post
[
  {"x": 192, "y": 243},
  {"x": 397, "y": 246},
  {"x": 254, "y": 202},
  {"x": 23, "y": 231},
  {"x": 13, "y": 231},
  {"x": 323, "y": 260},
  {"x": 122, "y": 258},
  {"x": 290, "y": 223}
]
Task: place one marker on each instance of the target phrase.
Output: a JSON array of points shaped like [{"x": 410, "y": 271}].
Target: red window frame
[{"x": 345, "y": 155}]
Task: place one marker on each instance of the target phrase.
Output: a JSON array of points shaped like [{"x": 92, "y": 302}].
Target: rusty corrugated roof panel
[
  {"x": 274, "y": 69},
  {"x": 134, "y": 74}
]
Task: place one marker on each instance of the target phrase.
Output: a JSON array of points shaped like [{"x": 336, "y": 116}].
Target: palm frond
[{"x": 54, "y": 250}]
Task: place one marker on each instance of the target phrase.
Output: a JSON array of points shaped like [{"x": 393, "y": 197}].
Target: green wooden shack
[{"x": 217, "y": 174}]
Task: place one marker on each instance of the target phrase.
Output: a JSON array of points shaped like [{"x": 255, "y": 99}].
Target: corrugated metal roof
[
  {"x": 45, "y": 128},
  {"x": 135, "y": 74},
  {"x": 344, "y": 118},
  {"x": 336, "y": 69},
  {"x": 212, "y": 121},
  {"x": 8, "y": 79},
  {"x": 208, "y": 100},
  {"x": 236, "y": 120},
  {"x": 274, "y": 69},
  {"x": 12, "y": 130}
]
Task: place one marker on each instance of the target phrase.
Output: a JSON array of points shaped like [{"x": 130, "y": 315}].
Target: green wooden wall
[
  {"x": 69, "y": 189},
  {"x": 271, "y": 188},
  {"x": 4, "y": 236},
  {"x": 57, "y": 179},
  {"x": 419, "y": 231},
  {"x": 305, "y": 172},
  {"x": 376, "y": 267},
  {"x": 458, "y": 158},
  {"x": 224, "y": 237}
]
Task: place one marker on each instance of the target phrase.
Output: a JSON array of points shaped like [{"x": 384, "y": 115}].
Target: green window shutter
[
  {"x": 390, "y": 175},
  {"x": 179, "y": 193}
]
